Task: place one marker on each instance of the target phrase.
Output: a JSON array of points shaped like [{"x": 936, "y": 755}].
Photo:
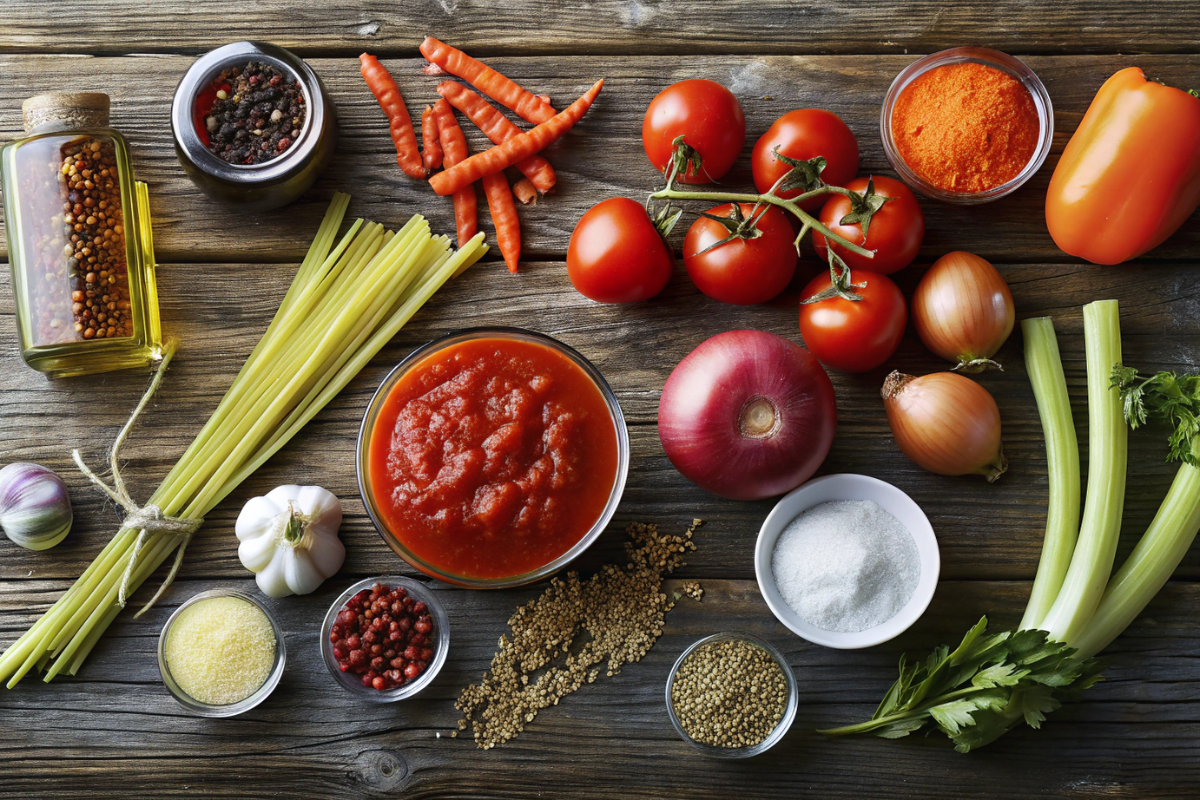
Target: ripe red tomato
[
  {"x": 707, "y": 116},
  {"x": 616, "y": 254},
  {"x": 741, "y": 271},
  {"x": 804, "y": 134},
  {"x": 854, "y": 335},
  {"x": 894, "y": 233}
]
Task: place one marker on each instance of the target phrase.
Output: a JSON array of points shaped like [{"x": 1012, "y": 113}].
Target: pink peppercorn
[{"x": 381, "y": 637}]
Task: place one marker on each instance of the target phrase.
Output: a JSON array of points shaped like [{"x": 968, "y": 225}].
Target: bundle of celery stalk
[
  {"x": 991, "y": 683},
  {"x": 346, "y": 302}
]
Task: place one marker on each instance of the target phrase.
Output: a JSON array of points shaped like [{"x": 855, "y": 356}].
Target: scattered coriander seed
[
  {"x": 622, "y": 612},
  {"x": 729, "y": 693}
]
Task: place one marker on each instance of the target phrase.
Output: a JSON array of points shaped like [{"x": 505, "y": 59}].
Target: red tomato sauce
[{"x": 492, "y": 457}]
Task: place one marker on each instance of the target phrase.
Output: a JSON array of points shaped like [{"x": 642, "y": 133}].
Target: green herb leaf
[
  {"x": 898, "y": 730},
  {"x": 981, "y": 689},
  {"x": 952, "y": 717},
  {"x": 998, "y": 675},
  {"x": 1166, "y": 396}
]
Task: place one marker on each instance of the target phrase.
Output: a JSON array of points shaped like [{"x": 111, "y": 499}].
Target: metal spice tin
[{"x": 272, "y": 183}]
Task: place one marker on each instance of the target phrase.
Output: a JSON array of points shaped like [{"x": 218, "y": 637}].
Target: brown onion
[
  {"x": 963, "y": 311},
  {"x": 945, "y": 423}
]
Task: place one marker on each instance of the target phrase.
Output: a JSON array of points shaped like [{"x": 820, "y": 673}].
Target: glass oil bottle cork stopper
[{"x": 80, "y": 249}]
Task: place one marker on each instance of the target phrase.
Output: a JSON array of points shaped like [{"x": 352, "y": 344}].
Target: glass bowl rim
[
  {"x": 789, "y": 713},
  {"x": 260, "y": 694},
  {"x": 1010, "y": 65},
  {"x": 616, "y": 415},
  {"x": 440, "y": 619}
]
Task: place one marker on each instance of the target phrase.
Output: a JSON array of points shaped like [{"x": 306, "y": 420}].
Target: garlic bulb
[
  {"x": 289, "y": 539},
  {"x": 35, "y": 510}
]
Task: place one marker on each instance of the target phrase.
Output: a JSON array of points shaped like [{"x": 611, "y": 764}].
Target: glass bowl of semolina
[{"x": 221, "y": 653}]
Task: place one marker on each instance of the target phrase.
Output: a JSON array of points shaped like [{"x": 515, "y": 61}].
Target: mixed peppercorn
[
  {"x": 257, "y": 113},
  {"x": 94, "y": 224},
  {"x": 384, "y": 636},
  {"x": 74, "y": 242}
]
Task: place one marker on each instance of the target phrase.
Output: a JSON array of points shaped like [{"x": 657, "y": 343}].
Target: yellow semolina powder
[{"x": 220, "y": 650}]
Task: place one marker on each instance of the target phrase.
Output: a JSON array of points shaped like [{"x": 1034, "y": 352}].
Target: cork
[{"x": 73, "y": 110}]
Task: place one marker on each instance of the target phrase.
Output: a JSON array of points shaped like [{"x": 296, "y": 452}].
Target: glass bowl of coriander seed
[{"x": 731, "y": 695}]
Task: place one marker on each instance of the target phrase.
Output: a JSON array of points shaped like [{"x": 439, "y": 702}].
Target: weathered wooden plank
[
  {"x": 42, "y": 420},
  {"x": 115, "y": 730},
  {"x": 605, "y": 26},
  {"x": 601, "y": 158}
]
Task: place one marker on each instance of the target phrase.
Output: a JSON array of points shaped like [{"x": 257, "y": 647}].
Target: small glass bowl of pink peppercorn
[{"x": 412, "y": 666}]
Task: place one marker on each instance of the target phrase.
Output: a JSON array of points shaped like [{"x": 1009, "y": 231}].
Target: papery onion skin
[
  {"x": 35, "y": 509},
  {"x": 946, "y": 423},
  {"x": 747, "y": 415},
  {"x": 963, "y": 310}
]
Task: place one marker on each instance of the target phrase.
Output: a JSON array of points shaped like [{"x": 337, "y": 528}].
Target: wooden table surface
[{"x": 115, "y": 732}]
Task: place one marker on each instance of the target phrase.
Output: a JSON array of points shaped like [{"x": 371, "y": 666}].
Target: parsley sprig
[
  {"x": 980, "y": 690},
  {"x": 1167, "y": 396}
]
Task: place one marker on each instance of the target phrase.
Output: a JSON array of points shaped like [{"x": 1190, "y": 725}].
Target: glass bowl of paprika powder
[
  {"x": 492, "y": 457},
  {"x": 967, "y": 125}
]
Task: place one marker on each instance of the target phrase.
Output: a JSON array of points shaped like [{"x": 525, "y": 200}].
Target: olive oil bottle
[{"x": 79, "y": 241}]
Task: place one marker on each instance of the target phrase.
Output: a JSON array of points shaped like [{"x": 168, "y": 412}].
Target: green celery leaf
[
  {"x": 999, "y": 675},
  {"x": 952, "y": 717},
  {"x": 898, "y": 730},
  {"x": 900, "y": 689},
  {"x": 989, "y": 726},
  {"x": 981, "y": 689}
]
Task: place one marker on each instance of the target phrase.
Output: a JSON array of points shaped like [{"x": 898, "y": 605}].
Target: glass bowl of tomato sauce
[{"x": 492, "y": 457}]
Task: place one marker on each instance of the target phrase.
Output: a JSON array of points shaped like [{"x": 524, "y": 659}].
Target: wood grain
[
  {"x": 635, "y": 347},
  {"x": 605, "y": 27},
  {"x": 115, "y": 732},
  {"x": 601, "y": 157}
]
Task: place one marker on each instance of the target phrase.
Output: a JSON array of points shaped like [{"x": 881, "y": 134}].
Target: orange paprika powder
[{"x": 965, "y": 127}]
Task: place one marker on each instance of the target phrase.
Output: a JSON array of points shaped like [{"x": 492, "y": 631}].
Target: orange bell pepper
[{"x": 1130, "y": 175}]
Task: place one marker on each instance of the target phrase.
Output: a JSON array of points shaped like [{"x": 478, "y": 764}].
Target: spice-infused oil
[{"x": 80, "y": 248}]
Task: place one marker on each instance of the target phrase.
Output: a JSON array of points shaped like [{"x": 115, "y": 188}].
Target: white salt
[{"x": 846, "y": 565}]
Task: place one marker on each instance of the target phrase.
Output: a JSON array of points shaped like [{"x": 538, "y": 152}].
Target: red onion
[{"x": 747, "y": 415}]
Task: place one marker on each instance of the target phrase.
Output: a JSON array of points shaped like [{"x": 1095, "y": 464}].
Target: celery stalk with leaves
[{"x": 992, "y": 683}]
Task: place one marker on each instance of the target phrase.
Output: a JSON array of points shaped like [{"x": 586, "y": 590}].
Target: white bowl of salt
[{"x": 847, "y": 561}]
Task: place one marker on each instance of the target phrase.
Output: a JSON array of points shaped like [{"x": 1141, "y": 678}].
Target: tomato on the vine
[
  {"x": 707, "y": 116},
  {"x": 740, "y": 255},
  {"x": 853, "y": 335},
  {"x": 802, "y": 135},
  {"x": 889, "y": 213},
  {"x": 616, "y": 254}
]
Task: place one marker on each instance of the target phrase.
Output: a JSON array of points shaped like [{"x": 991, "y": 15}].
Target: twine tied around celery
[{"x": 148, "y": 519}]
